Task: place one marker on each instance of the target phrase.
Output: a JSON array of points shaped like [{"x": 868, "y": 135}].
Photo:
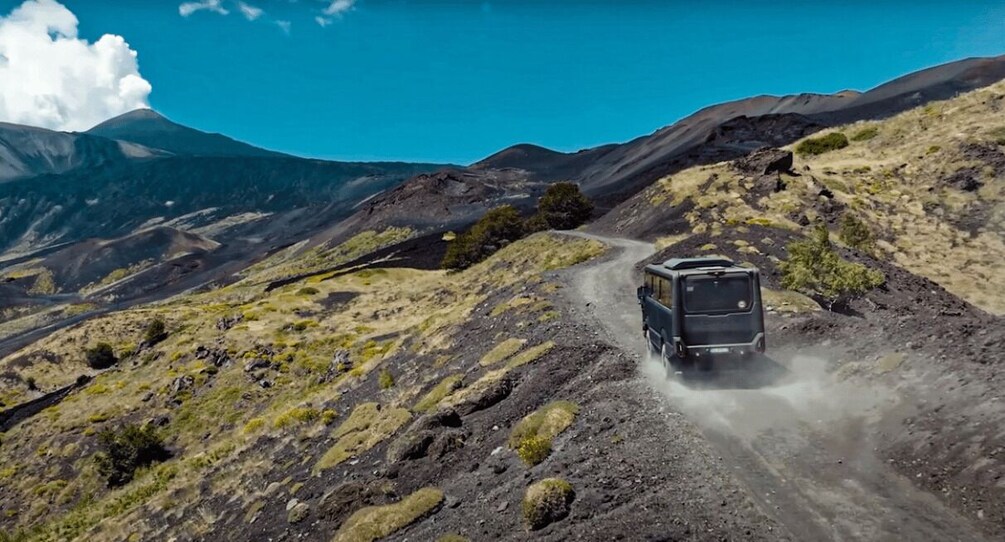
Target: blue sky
[{"x": 455, "y": 81}]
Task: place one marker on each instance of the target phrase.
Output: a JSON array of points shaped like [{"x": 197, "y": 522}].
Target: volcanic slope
[{"x": 612, "y": 173}]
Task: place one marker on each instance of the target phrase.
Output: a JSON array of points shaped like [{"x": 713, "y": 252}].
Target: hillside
[
  {"x": 612, "y": 173},
  {"x": 28, "y": 152},
  {"x": 332, "y": 389}
]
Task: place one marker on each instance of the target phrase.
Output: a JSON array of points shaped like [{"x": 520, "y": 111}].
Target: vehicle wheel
[
  {"x": 650, "y": 349},
  {"x": 667, "y": 361}
]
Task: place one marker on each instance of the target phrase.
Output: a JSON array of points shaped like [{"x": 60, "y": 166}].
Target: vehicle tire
[
  {"x": 650, "y": 349},
  {"x": 667, "y": 360}
]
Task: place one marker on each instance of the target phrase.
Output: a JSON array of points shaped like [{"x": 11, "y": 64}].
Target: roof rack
[{"x": 677, "y": 264}]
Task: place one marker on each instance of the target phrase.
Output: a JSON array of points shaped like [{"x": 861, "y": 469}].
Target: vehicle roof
[{"x": 678, "y": 266}]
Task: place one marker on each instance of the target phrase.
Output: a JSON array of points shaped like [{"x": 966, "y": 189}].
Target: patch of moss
[
  {"x": 529, "y": 355},
  {"x": 502, "y": 351},
  {"x": 368, "y": 425},
  {"x": 446, "y": 386},
  {"x": 376, "y": 522}
]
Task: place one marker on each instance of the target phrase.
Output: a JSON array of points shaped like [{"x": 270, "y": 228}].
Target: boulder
[{"x": 765, "y": 161}]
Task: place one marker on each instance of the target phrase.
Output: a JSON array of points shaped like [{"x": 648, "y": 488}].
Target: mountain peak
[{"x": 151, "y": 129}]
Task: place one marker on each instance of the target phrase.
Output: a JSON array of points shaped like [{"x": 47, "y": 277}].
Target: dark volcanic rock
[
  {"x": 337, "y": 505},
  {"x": 765, "y": 161},
  {"x": 483, "y": 399},
  {"x": 966, "y": 179}
]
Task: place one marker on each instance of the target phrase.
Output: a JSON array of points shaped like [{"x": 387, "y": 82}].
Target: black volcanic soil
[{"x": 639, "y": 470}]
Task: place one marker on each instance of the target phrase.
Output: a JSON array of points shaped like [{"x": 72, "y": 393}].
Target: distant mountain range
[
  {"x": 141, "y": 171},
  {"x": 611, "y": 174}
]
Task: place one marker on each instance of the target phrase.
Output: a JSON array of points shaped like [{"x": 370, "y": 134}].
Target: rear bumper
[{"x": 727, "y": 350}]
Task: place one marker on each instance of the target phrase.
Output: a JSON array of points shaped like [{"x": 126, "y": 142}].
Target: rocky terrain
[{"x": 344, "y": 388}]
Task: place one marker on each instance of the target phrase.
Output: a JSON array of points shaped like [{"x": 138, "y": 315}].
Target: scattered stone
[
  {"x": 255, "y": 364},
  {"x": 227, "y": 322},
  {"x": 181, "y": 384}
]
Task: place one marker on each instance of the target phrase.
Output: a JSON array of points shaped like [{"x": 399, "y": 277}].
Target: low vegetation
[
  {"x": 376, "y": 522},
  {"x": 855, "y": 233},
  {"x": 155, "y": 332},
  {"x": 546, "y": 502},
  {"x": 531, "y": 438},
  {"x": 502, "y": 351},
  {"x": 562, "y": 207},
  {"x": 819, "y": 145},
  {"x": 100, "y": 356},
  {"x": 446, "y": 386},
  {"x": 126, "y": 449},
  {"x": 815, "y": 269},
  {"x": 498, "y": 228},
  {"x": 865, "y": 134},
  {"x": 368, "y": 425}
]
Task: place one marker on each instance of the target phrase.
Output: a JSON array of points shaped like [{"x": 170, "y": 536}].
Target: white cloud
[
  {"x": 284, "y": 25},
  {"x": 338, "y": 7},
  {"x": 215, "y": 6},
  {"x": 335, "y": 10},
  {"x": 51, "y": 78},
  {"x": 250, "y": 12}
]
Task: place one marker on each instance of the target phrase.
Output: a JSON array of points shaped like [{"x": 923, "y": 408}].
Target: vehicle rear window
[{"x": 723, "y": 293}]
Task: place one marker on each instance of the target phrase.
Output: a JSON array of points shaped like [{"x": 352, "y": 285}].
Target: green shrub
[
  {"x": 815, "y": 269},
  {"x": 531, "y": 437},
  {"x": 562, "y": 207},
  {"x": 855, "y": 233},
  {"x": 127, "y": 449},
  {"x": 819, "y": 145},
  {"x": 385, "y": 379},
  {"x": 499, "y": 227},
  {"x": 865, "y": 134},
  {"x": 546, "y": 502},
  {"x": 155, "y": 332},
  {"x": 100, "y": 356},
  {"x": 308, "y": 290}
]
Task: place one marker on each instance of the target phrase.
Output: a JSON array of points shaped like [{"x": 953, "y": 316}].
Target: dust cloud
[{"x": 776, "y": 395}]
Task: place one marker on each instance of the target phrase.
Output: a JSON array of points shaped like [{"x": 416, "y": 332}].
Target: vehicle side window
[{"x": 665, "y": 296}]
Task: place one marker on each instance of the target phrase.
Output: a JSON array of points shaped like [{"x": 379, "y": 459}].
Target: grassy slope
[
  {"x": 899, "y": 182},
  {"x": 223, "y": 425}
]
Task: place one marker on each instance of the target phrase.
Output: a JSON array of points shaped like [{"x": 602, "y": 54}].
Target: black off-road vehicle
[{"x": 699, "y": 310}]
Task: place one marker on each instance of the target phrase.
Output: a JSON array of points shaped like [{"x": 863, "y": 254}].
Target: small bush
[
  {"x": 855, "y": 233},
  {"x": 865, "y": 134},
  {"x": 308, "y": 291},
  {"x": 100, "y": 356},
  {"x": 531, "y": 437},
  {"x": 498, "y": 228},
  {"x": 385, "y": 379},
  {"x": 815, "y": 269},
  {"x": 562, "y": 207},
  {"x": 546, "y": 502},
  {"x": 155, "y": 332},
  {"x": 127, "y": 449},
  {"x": 819, "y": 145}
]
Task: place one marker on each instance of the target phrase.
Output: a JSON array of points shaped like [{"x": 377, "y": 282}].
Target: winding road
[{"x": 804, "y": 445}]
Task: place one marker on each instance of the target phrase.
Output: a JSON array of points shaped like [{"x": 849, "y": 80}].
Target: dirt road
[{"x": 803, "y": 444}]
